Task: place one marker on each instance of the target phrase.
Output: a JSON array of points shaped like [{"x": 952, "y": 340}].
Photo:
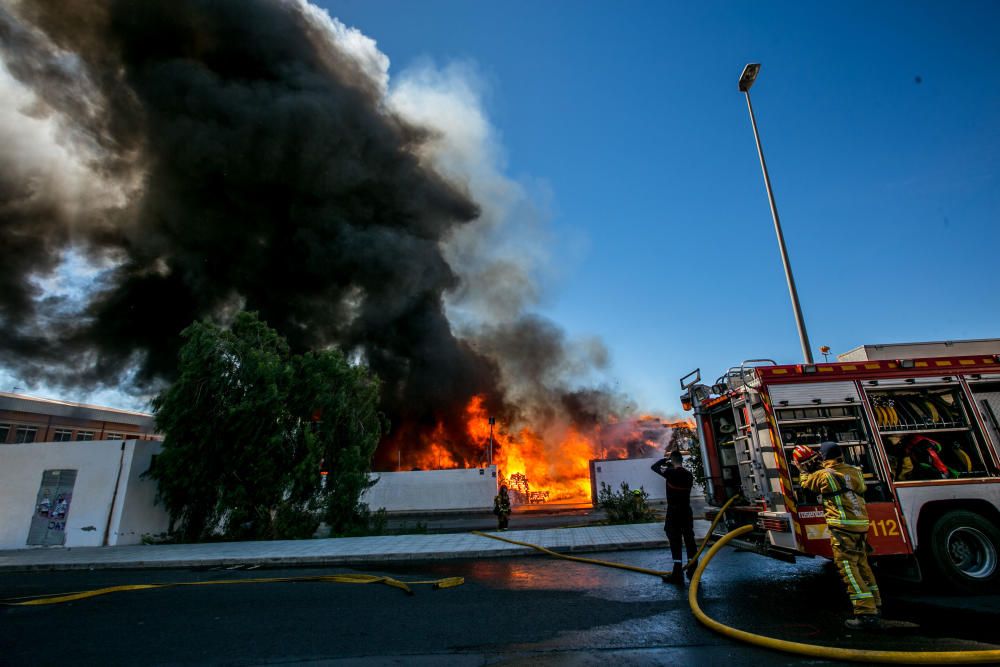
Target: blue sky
[{"x": 880, "y": 125}]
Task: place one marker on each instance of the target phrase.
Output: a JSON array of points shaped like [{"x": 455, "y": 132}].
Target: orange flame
[
  {"x": 435, "y": 455},
  {"x": 548, "y": 466}
]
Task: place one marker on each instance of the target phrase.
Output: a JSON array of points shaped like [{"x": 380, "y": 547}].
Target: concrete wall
[
  {"x": 634, "y": 471},
  {"x": 137, "y": 513},
  {"x": 433, "y": 490},
  {"x": 102, "y": 466}
]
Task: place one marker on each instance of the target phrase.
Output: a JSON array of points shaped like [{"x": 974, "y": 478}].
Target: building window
[
  {"x": 4, "y": 432},
  {"x": 62, "y": 435},
  {"x": 114, "y": 436},
  {"x": 25, "y": 434},
  {"x": 84, "y": 435}
]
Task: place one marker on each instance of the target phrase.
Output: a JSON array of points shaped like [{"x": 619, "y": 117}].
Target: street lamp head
[{"x": 749, "y": 76}]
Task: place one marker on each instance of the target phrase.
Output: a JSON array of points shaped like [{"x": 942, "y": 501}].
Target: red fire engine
[{"x": 925, "y": 433}]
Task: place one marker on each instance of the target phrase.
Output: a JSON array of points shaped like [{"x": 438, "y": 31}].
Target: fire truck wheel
[{"x": 965, "y": 550}]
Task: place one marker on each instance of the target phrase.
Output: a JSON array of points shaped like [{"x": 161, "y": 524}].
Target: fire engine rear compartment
[{"x": 899, "y": 426}]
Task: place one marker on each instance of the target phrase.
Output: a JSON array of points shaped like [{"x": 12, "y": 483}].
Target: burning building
[{"x": 175, "y": 160}]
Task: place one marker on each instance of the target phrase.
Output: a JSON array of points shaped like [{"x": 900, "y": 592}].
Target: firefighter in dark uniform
[
  {"x": 679, "y": 524},
  {"x": 501, "y": 507},
  {"x": 842, "y": 488}
]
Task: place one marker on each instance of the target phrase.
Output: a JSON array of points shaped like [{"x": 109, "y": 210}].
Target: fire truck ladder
[{"x": 752, "y": 439}]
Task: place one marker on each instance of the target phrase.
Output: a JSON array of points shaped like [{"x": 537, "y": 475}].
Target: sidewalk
[{"x": 344, "y": 550}]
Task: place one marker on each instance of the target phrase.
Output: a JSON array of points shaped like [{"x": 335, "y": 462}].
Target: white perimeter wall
[
  {"x": 634, "y": 471},
  {"x": 136, "y": 512},
  {"x": 433, "y": 490},
  {"x": 97, "y": 464}
]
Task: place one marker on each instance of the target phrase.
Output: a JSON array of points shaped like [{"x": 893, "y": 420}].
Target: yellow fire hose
[
  {"x": 404, "y": 586},
  {"x": 605, "y": 563},
  {"x": 811, "y": 650},
  {"x": 692, "y": 562},
  {"x": 826, "y": 652},
  {"x": 578, "y": 559}
]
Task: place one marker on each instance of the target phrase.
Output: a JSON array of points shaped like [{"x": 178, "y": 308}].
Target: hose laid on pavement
[
  {"x": 578, "y": 559},
  {"x": 404, "y": 586},
  {"x": 693, "y": 562},
  {"x": 447, "y": 582},
  {"x": 607, "y": 563},
  {"x": 825, "y": 652},
  {"x": 811, "y": 650}
]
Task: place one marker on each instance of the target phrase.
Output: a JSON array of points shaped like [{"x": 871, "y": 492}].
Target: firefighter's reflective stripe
[
  {"x": 858, "y": 594},
  {"x": 831, "y": 481},
  {"x": 843, "y": 504},
  {"x": 851, "y": 558}
]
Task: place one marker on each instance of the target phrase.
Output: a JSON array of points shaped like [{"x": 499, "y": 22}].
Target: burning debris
[
  {"x": 170, "y": 160},
  {"x": 551, "y": 466},
  {"x": 520, "y": 490}
]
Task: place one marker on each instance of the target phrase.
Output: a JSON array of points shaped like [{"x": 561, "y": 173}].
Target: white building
[{"x": 942, "y": 348}]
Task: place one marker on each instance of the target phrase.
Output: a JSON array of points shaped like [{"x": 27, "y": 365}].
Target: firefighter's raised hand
[{"x": 811, "y": 465}]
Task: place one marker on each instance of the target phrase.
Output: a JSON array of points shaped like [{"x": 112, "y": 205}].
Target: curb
[{"x": 322, "y": 560}]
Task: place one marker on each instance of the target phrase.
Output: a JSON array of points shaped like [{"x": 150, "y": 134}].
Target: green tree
[
  {"x": 338, "y": 422},
  {"x": 243, "y": 440}
]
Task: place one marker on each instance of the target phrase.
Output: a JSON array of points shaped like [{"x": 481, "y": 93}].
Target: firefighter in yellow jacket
[{"x": 842, "y": 488}]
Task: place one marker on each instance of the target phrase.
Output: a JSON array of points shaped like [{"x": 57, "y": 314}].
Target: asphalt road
[{"x": 531, "y": 610}]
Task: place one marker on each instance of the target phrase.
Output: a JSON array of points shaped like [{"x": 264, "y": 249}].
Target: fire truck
[{"x": 924, "y": 431}]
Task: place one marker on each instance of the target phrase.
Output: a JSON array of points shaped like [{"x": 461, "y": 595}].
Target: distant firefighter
[{"x": 501, "y": 507}]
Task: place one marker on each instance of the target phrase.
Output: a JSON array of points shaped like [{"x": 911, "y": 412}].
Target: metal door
[
  {"x": 55, "y": 494},
  {"x": 989, "y": 406}
]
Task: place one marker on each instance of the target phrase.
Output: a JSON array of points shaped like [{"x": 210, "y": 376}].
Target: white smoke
[{"x": 500, "y": 256}]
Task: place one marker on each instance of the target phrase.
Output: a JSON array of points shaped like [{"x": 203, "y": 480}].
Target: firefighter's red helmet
[{"x": 802, "y": 453}]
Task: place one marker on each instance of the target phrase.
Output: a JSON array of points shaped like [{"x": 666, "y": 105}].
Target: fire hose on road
[
  {"x": 404, "y": 586},
  {"x": 826, "y": 652},
  {"x": 605, "y": 563},
  {"x": 811, "y": 650}
]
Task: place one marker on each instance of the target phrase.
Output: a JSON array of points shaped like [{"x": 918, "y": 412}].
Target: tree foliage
[
  {"x": 248, "y": 427},
  {"x": 625, "y": 505},
  {"x": 685, "y": 438}
]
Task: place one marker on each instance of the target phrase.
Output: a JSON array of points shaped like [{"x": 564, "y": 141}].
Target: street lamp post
[
  {"x": 746, "y": 80},
  {"x": 492, "y": 422}
]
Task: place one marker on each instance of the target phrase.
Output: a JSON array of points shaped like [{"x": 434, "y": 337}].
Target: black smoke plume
[{"x": 243, "y": 160}]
